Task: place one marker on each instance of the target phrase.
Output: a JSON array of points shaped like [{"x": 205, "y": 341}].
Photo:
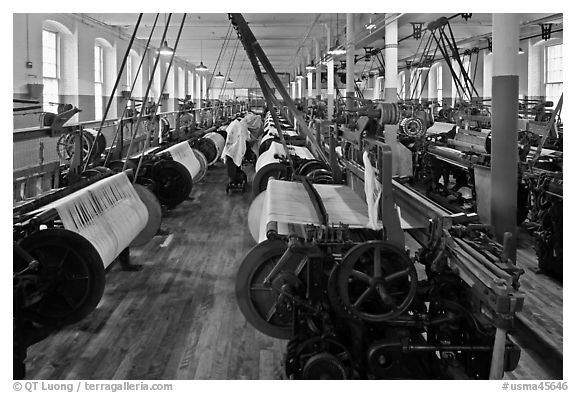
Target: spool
[
  {"x": 154, "y": 216},
  {"x": 203, "y": 166},
  {"x": 218, "y": 142},
  {"x": 173, "y": 180},
  {"x": 389, "y": 113},
  {"x": 277, "y": 170},
  {"x": 208, "y": 148},
  {"x": 75, "y": 256},
  {"x": 222, "y": 133},
  {"x": 266, "y": 141},
  {"x": 254, "y": 214}
]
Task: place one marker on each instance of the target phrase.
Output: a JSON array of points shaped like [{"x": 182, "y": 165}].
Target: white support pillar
[
  {"x": 432, "y": 83},
  {"x": 504, "y": 169},
  {"x": 350, "y": 61},
  {"x": 446, "y": 84},
  {"x": 487, "y": 75},
  {"x": 318, "y": 69},
  {"x": 330, "y": 89},
  {"x": 424, "y": 80},
  {"x": 309, "y": 77},
  {"x": 390, "y": 88}
]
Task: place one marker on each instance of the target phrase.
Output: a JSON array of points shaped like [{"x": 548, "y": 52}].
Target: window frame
[
  {"x": 98, "y": 97},
  {"x": 555, "y": 84},
  {"x": 46, "y": 107}
]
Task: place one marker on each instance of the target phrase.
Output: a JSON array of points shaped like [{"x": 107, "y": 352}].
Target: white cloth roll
[
  {"x": 373, "y": 190},
  {"x": 182, "y": 153},
  {"x": 108, "y": 213}
]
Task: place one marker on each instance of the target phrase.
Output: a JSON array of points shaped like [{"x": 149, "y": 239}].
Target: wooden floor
[{"x": 178, "y": 318}]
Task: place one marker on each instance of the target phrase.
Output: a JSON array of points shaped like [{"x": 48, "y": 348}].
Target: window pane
[
  {"x": 98, "y": 64},
  {"x": 554, "y": 68},
  {"x": 98, "y": 100},
  {"x": 49, "y": 54},
  {"x": 50, "y": 94}
]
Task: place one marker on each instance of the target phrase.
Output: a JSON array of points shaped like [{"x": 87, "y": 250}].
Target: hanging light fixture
[
  {"x": 311, "y": 66},
  {"x": 219, "y": 76},
  {"x": 337, "y": 49},
  {"x": 229, "y": 81},
  {"x": 201, "y": 67},
  {"x": 370, "y": 25},
  {"x": 164, "y": 49},
  {"x": 520, "y": 51}
]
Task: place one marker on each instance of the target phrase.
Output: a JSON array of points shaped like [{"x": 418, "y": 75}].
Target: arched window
[
  {"x": 59, "y": 64},
  {"x": 132, "y": 64},
  {"x": 98, "y": 80},
  {"x": 50, "y": 68},
  {"x": 104, "y": 76}
]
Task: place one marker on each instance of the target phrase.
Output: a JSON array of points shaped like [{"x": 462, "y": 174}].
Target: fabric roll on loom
[
  {"x": 219, "y": 143},
  {"x": 183, "y": 153},
  {"x": 272, "y": 164},
  {"x": 286, "y": 203},
  {"x": 100, "y": 221},
  {"x": 207, "y": 147},
  {"x": 108, "y": 213}
]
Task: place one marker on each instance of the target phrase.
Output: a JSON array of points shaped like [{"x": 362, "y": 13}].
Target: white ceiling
[{"x": 288, "y": 38}]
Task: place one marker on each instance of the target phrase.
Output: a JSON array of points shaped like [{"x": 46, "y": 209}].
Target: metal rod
[
  {"x": 111, "y": 98},
  {"x": 145, "y": 99},
  {"x": 120, "y": 124}
]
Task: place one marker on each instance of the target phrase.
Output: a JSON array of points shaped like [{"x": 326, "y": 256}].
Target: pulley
[
  {"x": 173, "y": 181},
  {"x": 71, "y": 276},
  {"x": 318, "y": 358},
  {"x": 412, "y": 127},
  {"x": 264, "y": 307},
  {"x": 65, "y": 146},
  {"x": 377, "y": 281}
]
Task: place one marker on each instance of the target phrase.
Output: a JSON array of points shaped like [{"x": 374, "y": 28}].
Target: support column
[
  {"x": 487, "y": 74},
  {"x": 198, "y": 89},
  {"x": 350, "y": 61},
  {"x": 205, "y": 87},
  {"x": 330, "y": 89},
  {"x": 424, "y": 80},
  {"x": 390, "y": 86},
  {"x": 432, "y": 83},
  {"x": 536, "y": 87},
  {"x": 318, "y": 70},
  {"x": 504, "y": 170},
  {"x": 446, "y": 84},
  {"x": 309, "y": 87}
]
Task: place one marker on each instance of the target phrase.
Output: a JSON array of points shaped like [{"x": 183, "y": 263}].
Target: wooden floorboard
[{"x": 178, "y": 317}]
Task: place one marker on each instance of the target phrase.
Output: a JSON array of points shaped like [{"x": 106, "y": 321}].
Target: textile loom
[
  {"x": 61, "y": 251},
  {"x": 352, "y": 301}
]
